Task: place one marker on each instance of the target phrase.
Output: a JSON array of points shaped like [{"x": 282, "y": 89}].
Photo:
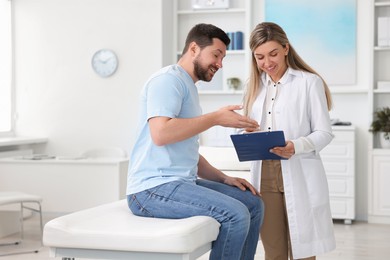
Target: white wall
[{"x": 58, "y": 94}]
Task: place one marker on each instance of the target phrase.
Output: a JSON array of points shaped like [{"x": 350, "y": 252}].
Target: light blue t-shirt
[{"x": 170, "y": 92}]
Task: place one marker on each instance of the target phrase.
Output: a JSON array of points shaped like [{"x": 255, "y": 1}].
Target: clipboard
[{"x": 255, "y": 146}]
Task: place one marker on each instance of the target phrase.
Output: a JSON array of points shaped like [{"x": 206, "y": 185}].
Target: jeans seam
[
  {"x": 200, "y": 206},
  {"x": 140, "y": 206}
]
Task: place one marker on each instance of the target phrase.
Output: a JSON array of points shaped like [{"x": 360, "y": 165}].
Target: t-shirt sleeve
[{"x": 164, "y": 96}]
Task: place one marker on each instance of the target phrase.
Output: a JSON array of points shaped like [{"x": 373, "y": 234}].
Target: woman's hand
[
  {"x": 286, "y": 151},
  {"x": 241, "y": 183}
]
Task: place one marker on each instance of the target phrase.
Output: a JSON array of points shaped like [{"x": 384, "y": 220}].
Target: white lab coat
[{"x": 300, "y": 109}]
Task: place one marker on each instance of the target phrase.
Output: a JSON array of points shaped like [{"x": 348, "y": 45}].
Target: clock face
[{"x": 104, "y": 62}]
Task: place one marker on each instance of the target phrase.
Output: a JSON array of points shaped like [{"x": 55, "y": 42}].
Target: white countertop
[
  {"x": 62, "y": 160},
  {"x": 20, "y": 140}
]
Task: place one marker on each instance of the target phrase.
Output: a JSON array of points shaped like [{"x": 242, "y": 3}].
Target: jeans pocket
[
  {"x": 135, "y": 205},
  {"x": 153, "y": 202}
]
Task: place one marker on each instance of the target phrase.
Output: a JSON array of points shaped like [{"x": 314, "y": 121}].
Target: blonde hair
[{"x": 263, "y": 33}]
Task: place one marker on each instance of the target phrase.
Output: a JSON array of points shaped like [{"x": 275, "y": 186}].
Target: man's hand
[
  {"x": 241, "y": 183},
  {"x": 227, "y": 117}
]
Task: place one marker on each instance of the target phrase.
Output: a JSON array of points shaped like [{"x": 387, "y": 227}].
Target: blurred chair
[
  {"x": 14, "y": 197},
  {"x": 107, "y": 152}
]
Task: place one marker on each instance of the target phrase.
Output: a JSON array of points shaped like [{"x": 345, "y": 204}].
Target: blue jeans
[{"x": 240, "y": 213}]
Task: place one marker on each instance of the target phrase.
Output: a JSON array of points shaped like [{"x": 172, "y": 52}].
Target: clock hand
[{"x": 106, "y": 60}]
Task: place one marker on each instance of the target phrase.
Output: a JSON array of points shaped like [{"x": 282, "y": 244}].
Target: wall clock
[{"x": 104, "y": 62}]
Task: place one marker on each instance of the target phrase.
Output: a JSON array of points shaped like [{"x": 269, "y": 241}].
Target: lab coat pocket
[{"x": 316, "y": 182}]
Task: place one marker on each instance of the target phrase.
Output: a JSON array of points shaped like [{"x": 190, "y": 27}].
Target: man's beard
[{"x": 201, "y": 73}]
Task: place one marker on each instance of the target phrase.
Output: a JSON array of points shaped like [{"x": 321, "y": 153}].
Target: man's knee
[{"x": 256, "y": 207}]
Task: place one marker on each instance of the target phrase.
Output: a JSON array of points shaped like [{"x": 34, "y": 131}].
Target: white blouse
[{"x": 268, "y": 113}]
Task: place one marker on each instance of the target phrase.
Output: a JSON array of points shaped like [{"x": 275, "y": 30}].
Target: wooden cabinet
[
  {"x": 378, "y": 187},
  {"x": 380, "y": 181},
  {"x": 339, "y": 162},
  {"x": 379, "y": 94},
  {"x": 380, "y": 88},
  {"x": 66, "y": 185}
]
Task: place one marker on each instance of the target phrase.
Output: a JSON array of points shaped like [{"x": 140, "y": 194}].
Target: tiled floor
[{"x": 359, "y": 241}]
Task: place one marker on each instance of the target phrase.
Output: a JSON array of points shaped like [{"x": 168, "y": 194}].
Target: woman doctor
[{"x": 284, "y": 93}]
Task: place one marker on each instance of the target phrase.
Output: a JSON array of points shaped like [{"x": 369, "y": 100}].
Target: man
[{"x": 168, "y": 178}]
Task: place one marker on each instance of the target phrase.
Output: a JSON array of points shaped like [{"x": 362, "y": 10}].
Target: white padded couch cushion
[{"x": 113, "y": 227}]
